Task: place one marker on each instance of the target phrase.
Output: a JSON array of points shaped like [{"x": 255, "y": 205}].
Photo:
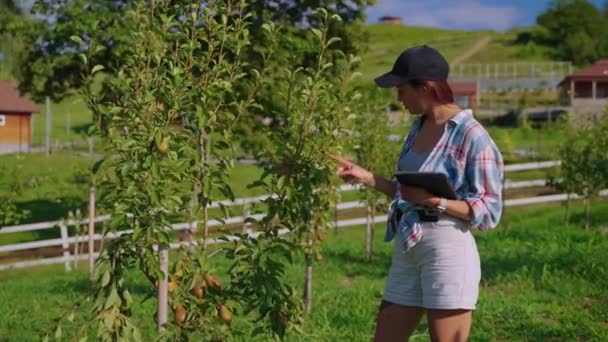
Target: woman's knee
[
  {"x": 449, "y": 325},
  {"x": 396, "y": 322}
]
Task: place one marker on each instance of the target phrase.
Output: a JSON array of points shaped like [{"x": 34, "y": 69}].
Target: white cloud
[{"x": 456, "y": 14}]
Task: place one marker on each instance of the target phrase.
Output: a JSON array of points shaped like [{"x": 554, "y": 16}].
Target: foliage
[
  {"x": 584, "y": 161},
  {"x": 157, "y": 116},
  {"x": 576, "y": 28},
  {"x": 9, "y": 213},
  {"x": 167, "y": 117},
  {"x": 376, "y": 152},
  {"x": 10, "y": 14},
  {"x": 315, "y": 105},
  {"x": 51, "y": 66}
]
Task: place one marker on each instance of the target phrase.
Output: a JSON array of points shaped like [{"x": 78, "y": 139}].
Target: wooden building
[
  {"x": 586, "y": 91},
  {"x": 15, "y": 119},
  {"x": 466, "y": 94}
]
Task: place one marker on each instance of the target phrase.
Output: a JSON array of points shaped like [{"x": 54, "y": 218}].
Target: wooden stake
[
  {"x": 91, "y": 231},
  {"x": 48, "y": 126},
  {"x": 163, "y": 297}
]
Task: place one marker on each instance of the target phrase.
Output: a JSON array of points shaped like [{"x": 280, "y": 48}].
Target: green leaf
[
  {"x": 77, "y": 40},
  {"x": 113, "y": 299},
  {"x": 126, "y": 295},
  {"x": 70, "y": 317},
  {"x": 58, "y": 333},
  {"x": 317, "y": 33},
  {"x": 136, "y": 335},
  {"x": 268, "y": 27},
  {"x": 333, "y": 40},
  {"x": 84, "y": 58},
  {"x": 97, "y": 68},
  {"x": 155, "y": 197},
  {"x": 97, "y": 165},
  {"x": 105, "y": 278}
]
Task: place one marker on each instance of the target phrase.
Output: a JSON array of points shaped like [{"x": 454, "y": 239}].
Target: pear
[
  {"x": 225, "y": 314},
  {"x": 180, "y": 314}
]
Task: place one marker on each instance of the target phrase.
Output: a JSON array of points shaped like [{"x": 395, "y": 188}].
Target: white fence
[{"x": 65, "y": 241}]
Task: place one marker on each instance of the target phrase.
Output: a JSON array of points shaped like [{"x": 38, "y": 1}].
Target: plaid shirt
[{"x": 474, "y": 166}]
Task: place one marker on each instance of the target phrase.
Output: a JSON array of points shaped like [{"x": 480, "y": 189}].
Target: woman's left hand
[{"x": 418, "y": 196}]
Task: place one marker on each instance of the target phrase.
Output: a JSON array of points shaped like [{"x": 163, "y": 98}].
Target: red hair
[{"x": 440, "y": 90}]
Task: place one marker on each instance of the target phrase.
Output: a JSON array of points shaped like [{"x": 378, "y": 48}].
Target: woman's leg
[
  {"x": 396, "y": 322},
  {"x": 449, "y": 325}
]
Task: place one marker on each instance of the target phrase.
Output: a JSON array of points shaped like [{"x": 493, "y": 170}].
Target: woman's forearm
[
  {"x": 387, "y": 187},
  {"x": 459, "y": 209}
]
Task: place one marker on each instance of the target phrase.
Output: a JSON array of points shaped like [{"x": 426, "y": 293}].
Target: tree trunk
[
  {"x": 308, "y": 283},
  {"x": 369, "y": 233},
  {"x": 587, "y": 212},
  {"x": 567, "y": 218},
  {"x": 202, "y": 136},
  {"x": 205, "y": 226},
  {"x": 335, "y": 218}
]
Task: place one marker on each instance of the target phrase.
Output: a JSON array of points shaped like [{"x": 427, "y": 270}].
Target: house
[
  {"x": 586, "y": 91},
  {"x": 388, "y": 19},
  {"x": 466, "y": 94},
  {"x": 15, "y": 119}
]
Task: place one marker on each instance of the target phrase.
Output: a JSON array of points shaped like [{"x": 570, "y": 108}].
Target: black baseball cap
[{"x": 420, "y": 63}]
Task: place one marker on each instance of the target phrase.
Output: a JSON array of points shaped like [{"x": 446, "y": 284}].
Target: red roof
[
  {"x": 12, "y": 102},
  {"x": 389, "y": 17},
  {"x": 462, "y": 88},
  {"x": 598, "y": 71}
]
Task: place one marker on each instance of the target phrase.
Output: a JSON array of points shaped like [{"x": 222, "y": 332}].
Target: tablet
[{"x": 434, "y": 182}]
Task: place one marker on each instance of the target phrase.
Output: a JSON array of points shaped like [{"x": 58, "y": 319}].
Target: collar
[
  {"x": 461, "y": 117},
  {"x": 456, "y": 119}
]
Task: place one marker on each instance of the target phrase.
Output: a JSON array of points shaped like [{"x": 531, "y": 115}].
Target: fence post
[
  {"x": 91, "y": 231},
  {"x": 74, "y": 221},
  {"x": 63, "y": 229},
  {"x": 163, "y": 255},
  {"x": 247, "y": 225},
  {"x": 48, "y": 126},
  {"x": 90, "y": 141},
  {"x": 68, "y": 127}
]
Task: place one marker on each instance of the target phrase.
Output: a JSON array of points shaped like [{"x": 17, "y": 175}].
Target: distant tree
[
  {"x": 375, "y": 151},
  {"x": 51, "y": 67},
  {"x": 9, "y": 212},
  {"x": 584, "y": 168},
  {"x": 576, "y": 28},
  {"x": 10, "y": 13}
]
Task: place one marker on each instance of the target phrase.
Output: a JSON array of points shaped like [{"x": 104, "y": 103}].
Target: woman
[{"x": 435, "y": 264}]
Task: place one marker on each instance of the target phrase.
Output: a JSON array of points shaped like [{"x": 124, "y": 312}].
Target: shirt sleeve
[{"x": 484, "y": 173}]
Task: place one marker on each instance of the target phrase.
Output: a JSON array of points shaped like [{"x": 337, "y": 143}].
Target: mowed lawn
[{"x": 542, "y": 281}]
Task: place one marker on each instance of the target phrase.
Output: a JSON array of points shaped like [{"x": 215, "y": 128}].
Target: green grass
[
  {"x": 541, "y": 281},
  {"x": 387, "y": 41},
  {"x": 505, "y": 48},
  {"x": 80, "y": 119},
  {"x": 55, "y": 185}
]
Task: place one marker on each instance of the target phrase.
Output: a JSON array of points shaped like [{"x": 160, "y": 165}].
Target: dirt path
[{"x": 478, "y": 46}]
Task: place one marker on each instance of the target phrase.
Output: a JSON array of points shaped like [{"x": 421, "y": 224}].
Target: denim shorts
[{"x": 442, "y": 271}]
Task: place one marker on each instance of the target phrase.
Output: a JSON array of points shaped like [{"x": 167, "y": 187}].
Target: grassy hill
[{"x": 387, "y": 41}]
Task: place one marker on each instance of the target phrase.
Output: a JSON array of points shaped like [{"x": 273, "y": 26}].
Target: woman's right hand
[{"x": 352, "y": 172}]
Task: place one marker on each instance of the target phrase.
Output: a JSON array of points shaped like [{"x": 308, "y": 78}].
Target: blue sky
[{"x": 463, "y": 14}]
